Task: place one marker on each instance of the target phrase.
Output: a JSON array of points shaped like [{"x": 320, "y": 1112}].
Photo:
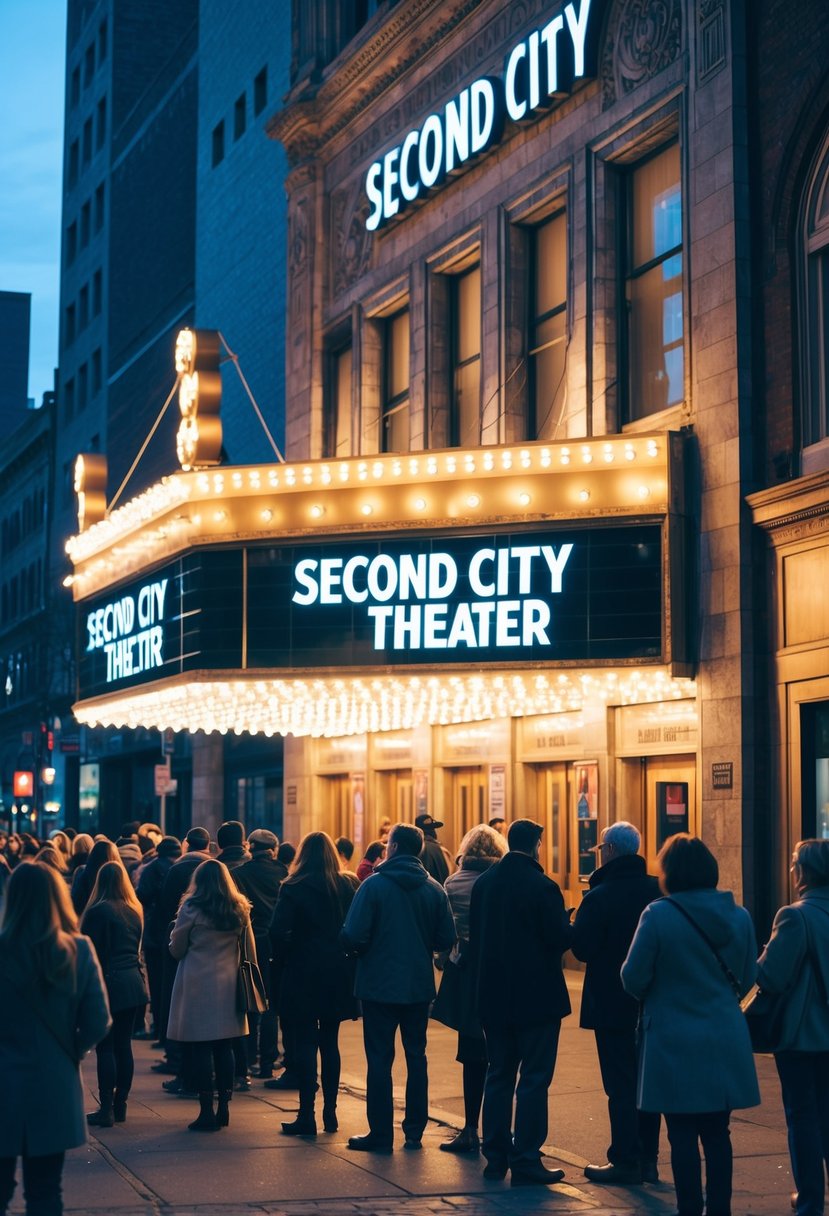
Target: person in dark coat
[
  {"x": 317, "y": 977},
  {"x": 481, "y": 848},
  {"x": 434, "y": 857},
  {"x": 156, "y": 935},
  {"x": 83, "y": 879},
  {"x": 231, "y": 841},
  {"x": 399, "y": 919},
  {"x": 113, "y": 921},
  {"x": 517, "y": 934},
  {"x": 695, "y": 1060},
  {"x": 619, "y": 891},
  {"x": 53, "y": 1009},
  {"x": 259, "y": 880}
]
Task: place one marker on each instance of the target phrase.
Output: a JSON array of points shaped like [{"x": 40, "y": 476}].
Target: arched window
[{"x": 814, "y": 318}]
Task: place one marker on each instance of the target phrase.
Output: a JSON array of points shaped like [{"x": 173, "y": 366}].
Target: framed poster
[
  {"x": 586, "y": 793},
  {"x": 671, "y": 809}
]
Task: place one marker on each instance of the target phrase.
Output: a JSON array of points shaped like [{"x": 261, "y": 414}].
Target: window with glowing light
[
  {"x": 465, "y": 305},
  {"x": 548, "y": 329},
  {"x": 395, "y": 437},
  {"x": 655, "y": 339}
]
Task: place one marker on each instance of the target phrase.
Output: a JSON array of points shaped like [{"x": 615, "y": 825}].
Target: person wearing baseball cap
[{"x": 435, "y": 858}]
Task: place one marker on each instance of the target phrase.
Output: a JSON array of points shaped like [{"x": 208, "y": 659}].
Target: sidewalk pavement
[{"x": 152, "y": 1166}]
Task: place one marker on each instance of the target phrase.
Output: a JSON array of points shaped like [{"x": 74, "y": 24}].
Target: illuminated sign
[
  {"x": 539, "y": 70},
  {"x": 23, "y": 784},
  {"x": 129, "y": 631},
  {"x": 566, "y": 594}
]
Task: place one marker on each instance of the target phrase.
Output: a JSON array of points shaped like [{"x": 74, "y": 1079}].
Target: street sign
[{"x": 162, "y": 780}]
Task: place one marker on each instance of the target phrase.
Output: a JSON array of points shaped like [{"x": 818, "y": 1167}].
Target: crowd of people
[{"x": 97, "y": 937}]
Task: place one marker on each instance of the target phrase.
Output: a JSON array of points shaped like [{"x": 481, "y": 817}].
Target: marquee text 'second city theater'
[{"x": 507, "y": 566}]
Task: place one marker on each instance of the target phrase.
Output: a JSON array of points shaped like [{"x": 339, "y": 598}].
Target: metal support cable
[
  {"x": 235, "y": 361},
  {"x": 144, "y": 446}
]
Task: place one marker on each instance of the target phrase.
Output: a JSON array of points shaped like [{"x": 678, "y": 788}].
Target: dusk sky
[{"x": 32, "y": 49}]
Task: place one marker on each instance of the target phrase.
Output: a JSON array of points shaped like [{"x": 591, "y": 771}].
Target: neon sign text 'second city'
[
  {"x": 539, "y": 70},
  {"x": 130, "y": 631},
  {"x": 420, "y": 619}
]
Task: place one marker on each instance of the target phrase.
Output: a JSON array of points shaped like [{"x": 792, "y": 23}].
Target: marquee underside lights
[{"x": 349, "y": 706}]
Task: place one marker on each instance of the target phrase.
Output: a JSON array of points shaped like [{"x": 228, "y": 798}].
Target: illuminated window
[
  {"x": 814, "y": 314},
  {"x": 218, "y": 143},
  {"x": 338, "y": 405},
  {"x": 260, "y": 91},
  {"x": 465, "y": 428},
  {"x": 548, "y": 329},
  {"x": 653, "y": 288},
  {"x": 395, "y": 436}
]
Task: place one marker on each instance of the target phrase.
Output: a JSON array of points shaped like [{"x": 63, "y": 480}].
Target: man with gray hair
[{"x": 620, "y": 890}]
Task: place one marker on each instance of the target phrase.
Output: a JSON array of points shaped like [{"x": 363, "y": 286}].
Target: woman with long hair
[
  {"x": 691, "y": 959},
  {"x": 317, "y": 979},
  {"x": 114, "y": 920},
  {"x": 81, "y": 848},
  {"x": 796, "y": 962},
  {"x": 83, "y": 879},
  {"x": 481, "y": 848},
  {"x": 207, "y": 936},
  {"x": 48, "y": 855},
  {"x": 53, "y": 1009}
]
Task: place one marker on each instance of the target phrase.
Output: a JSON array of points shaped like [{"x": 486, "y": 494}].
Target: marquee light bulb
[
  {"x": 524, "y": 499},
  {"x": 644, "y": 492},
  {"x": 267, "y": 515},
  {"x": 420, "y": 504},
  {"x": 584, "y": 495},
  {"x": 474, "y": 500},
  {"x": 366, "y": 509},
  {"x": 317, "y": 511}
]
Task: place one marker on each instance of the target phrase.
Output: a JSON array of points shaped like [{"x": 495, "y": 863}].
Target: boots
[
  {"x": 222, "y": 1111},
  {"x": 305, "y": 1123},
  {"x": 119, "y": 1105},
  {"x": 103, "y": 1117},
  {"x": 329, "y": 1117},
  {"x": 206, "y": 1122}
]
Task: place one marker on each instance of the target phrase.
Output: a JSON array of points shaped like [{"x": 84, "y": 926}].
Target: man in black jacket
[
  {"x": 399, "y": 918},
  {"x": 260, "y": 879},
  {"x": 620, "y": 890},
  {"x": 517, "y": 934},
  {"x": 156, "y": 934}
]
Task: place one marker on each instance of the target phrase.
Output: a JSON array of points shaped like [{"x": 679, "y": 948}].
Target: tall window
[
  {"x": 396, "y": 384},
  {"x": 814, "y": 325},
  {"x": 548, "y": 329},
  {"x": 338, "y": 421},
  {"x": 655, "y": 339},
  {"x": 466, "y": 359}
]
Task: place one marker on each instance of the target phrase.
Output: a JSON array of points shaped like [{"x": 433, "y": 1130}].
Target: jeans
[
  {"x": 684, "y": 1133},
  {"x": 380, "y": 1022},
  {"x": 533, "y": 1049},
  {"x": 634, "y": 1134},
  {"x": 804, "y": 1079},
  {"x": 41, "y": 1184}
]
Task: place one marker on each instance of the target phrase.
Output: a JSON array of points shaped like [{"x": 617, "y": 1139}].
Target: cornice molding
[{"x": 792, "y": 509}]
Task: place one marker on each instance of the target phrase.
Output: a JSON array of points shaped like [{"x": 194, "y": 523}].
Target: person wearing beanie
[
  {"x": 259, "y": 879},
  {"x": 231, "y": 841},
  {"x": 150, "y": 886}
]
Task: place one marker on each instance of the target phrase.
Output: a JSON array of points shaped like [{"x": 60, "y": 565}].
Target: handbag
[{"x": 251, "y": 996}]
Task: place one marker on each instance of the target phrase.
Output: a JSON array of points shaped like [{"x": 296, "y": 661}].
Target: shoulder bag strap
[{"x": 726, "y": 970}]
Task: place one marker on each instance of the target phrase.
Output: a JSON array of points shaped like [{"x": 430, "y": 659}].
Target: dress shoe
[
  {"x": 412, "y": 1145},
  {"x": 284, "y": 1081},
  {"x": 369, "y": 1144},
  {"x": 494, "y": 1172},
  {"x": 650, "y": 1172},
  {"x": 614, "y": 1175},
  {"x": 535, "y": 1175},
  {"x": 241, "y": 1084},
  {"x": 466, "y": 1141},
  {"x": 300, "y": 1127},
  {"x": 101, "y": 1118}
]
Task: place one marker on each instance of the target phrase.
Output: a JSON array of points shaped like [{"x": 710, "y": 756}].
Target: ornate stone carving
[
  {"x": 351, "y": 243},
  {"x": 643, "y": 37},
  {"x": 300, "y": 246}
]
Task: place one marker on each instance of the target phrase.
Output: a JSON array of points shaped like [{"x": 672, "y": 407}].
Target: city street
[{"x": 152, "y": 1166}]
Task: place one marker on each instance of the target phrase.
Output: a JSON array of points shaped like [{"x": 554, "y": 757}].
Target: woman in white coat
[
  {"x": 690, "y": 961},
  {"x": 796, "y": 962},
  {"x": 204, "y": 1011},
  {"x": 53, "y": 1008}
]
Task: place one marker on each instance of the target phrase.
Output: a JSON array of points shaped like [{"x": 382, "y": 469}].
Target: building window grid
[
  {"x": 86, "y": 221},
  {"x": 99, "y": 207},
  {"x": 75, "y": 87},
  {"x": 547, "y": 347},
  {"x": 103, "y": 41},
  {"x": 97, "y": 293},
  {"x": 87, "y": 141},
  {"x": 395, "y": 433},
  {"x": 654, "y": 298},
  {"x": 101, "y": 127},
  {"x": 260, "y": 91},
  {"x": 71, "y": 242},
  {"x": 465, "y": 420},
  {"x": 240, "y": 116},
  {"x": 218, "y": 143}
]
